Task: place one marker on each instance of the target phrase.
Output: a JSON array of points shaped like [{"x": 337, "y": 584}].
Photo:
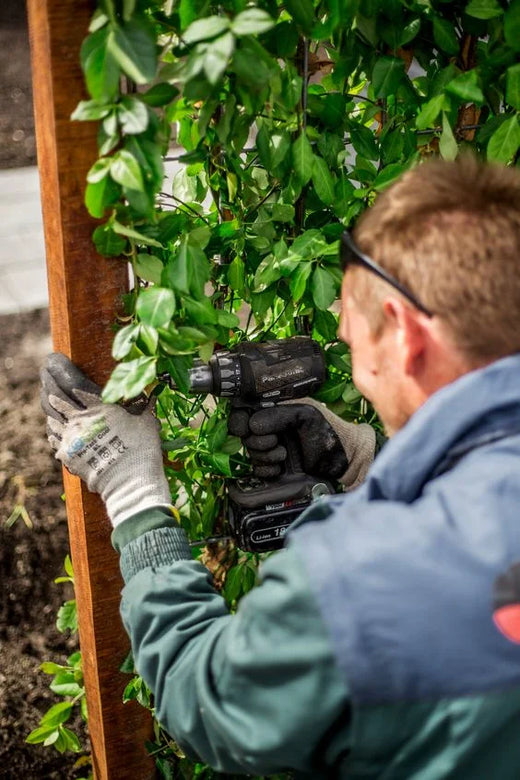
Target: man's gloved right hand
[{"x": 331, "y": 448}]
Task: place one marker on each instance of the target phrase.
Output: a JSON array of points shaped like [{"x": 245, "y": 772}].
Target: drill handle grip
[{"x": 294, "y": 461}]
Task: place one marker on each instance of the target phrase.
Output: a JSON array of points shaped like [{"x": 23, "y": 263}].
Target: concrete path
[
  {"x": 23, "y": 274},
  {"x": 23, "y": 278}
]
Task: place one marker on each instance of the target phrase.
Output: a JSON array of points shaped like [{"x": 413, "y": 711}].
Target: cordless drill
[{"x": 259, "y": 375}]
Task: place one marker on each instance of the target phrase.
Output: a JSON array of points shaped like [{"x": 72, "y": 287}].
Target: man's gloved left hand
[{"x": 118, "y": 454}]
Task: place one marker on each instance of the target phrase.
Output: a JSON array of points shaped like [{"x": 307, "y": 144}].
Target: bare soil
[{"x": 32, "y": 550}]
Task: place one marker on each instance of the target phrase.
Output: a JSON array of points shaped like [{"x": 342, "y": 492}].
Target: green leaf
[
  {"x": 129, "y": 232},
  {"x": 99, "y": 66},
  {"x": 107, "y": 242},
  {"x": 178, "y": 367},
  {"x": 64, "y": 684},
  {"x": 134, "y": 48},
  {"x": 325, "y": 324},
  {"x": 387, "y": 75},
  {"x": 99, "y": 170},
  {"x": 331, "y": 390},
  {"x": 323, "y": 288},
  {"x": 279, "y": 145},
  {"x": 309, "y": 244},
  {"x": 57, "y": 714},
  {"x": 466, "y": 87},
  {"x": 148, "y": 267},
  {"x": 392, "y": 146},
  {"x": 67, "y": 617},
  {"x": 298, "y": 280},
  {"x": 124, "y": 340},
  {"x": 71, "y": 740},
  {"x": 283, "y": 212},
  {"x": 48, "y": 667},
  {"x": 363, "y": 141},
  {"x": 100, "y": 195},
  {"x": 303, "y": 159},
  {"x": 67, "y": 565},
  {"x": 188, "y": 270},
  {"x": 252, "y": 21},
  {"x": 350, "y": 394},
  {"x": 447, "y": 143},
  {"x": 148, "y": 339},
  {"x": 267, "y": 272},
  {"x": 125, "y": 169},
  {"x": 323, "y": 181},
  {"x": 217, "y": 56},
  {"x": 484, "y": 9},
  {"x": 133, "y": 115},
  {"x": 302, "y": 12},
  {"x": 189, "y": 10},
  {"x": 159, "y": 95},
  {"x": 236, "y": 275},
  {"x": 220, "y": 463},
  {"x": 513, "y": 86},
  {"x": 389, "y": 174},
  {"x": 155, "y": 306},
  {"x": 444, "y": 35},
  {"x": 409, "y": 31},
  {"x": 512, "y": 25},
  {"x": 226, "y": 318},
  {"x": 205, "y": 29},
  {"x": 41, "y": 734},
  {"x": 88, "y": 110},
  {"x": 129, "y": 379},
  {"x": 505, "y": 142},
  {"x": 128, "y": 9},
  {"x": 429, "y": 112}
]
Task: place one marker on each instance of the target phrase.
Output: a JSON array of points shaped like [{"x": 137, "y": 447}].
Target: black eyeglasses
[{"x": 351, "y": 255}]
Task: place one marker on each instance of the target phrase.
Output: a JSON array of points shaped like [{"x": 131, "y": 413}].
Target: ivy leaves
[{"x": 321, "y": 149}]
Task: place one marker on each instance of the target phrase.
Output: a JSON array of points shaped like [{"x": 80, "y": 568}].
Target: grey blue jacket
[{"x": 384, "y": 640}]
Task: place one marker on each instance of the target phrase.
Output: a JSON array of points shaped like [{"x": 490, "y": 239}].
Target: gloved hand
[
  {"x": 331, "y": 448},
  {"x": 116, "y": 453}
]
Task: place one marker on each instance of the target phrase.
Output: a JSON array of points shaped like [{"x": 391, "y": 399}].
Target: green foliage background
[{"x": 288, "y": 117}]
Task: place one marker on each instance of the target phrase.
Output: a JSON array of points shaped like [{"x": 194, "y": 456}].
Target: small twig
[
  {"x": 185, "y": 205},
  {"x": 261, "y": 202},
  {"x": 460, "y": 129}
]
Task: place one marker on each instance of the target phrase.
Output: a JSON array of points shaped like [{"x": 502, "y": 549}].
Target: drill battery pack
[{"x": 261, "y": 512}]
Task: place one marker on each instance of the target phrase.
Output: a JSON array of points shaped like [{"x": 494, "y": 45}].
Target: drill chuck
[{"x": 263, "y": 372}]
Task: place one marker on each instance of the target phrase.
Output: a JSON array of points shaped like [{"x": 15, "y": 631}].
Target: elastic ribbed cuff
[
  {"x": 159, "y": 547},
  {"x": 140, "y": 523}
]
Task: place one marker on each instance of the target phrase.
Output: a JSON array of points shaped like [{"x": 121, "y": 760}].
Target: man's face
[{"x": 374, "y": 361}]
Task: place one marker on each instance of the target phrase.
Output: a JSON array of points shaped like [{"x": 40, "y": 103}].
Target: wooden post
[{"x": 84, "y": 290}]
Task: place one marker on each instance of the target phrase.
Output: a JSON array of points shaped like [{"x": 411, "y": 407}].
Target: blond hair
[{"x": 450, "y": 232}]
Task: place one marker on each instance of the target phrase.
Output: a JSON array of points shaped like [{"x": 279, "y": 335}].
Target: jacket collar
[{"x": 462, "y": 413}]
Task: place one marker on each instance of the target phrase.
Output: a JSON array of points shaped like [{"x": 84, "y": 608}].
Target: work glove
[
  {"x": 118, "y": 454},
  {"x": 330, "y": 447}
]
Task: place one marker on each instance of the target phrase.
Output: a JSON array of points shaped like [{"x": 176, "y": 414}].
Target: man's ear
[{"x": 410, "y": 334}]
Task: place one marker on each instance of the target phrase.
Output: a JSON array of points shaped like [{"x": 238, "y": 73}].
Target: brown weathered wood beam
[{"x": 84, "y": 291}]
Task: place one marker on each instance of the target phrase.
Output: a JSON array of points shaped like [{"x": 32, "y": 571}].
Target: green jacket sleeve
[{"x": 257, "y": 692}]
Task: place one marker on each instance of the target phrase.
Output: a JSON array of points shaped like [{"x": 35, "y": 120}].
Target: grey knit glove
[
  {"x": 331, "y": 448},
  {"x": 118, "y": 454}
]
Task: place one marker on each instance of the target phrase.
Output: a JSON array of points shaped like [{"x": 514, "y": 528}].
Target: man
[{"x": 384, "y": 640}]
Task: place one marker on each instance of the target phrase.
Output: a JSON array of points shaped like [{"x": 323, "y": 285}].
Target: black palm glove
[{"x": 330, "y": 447}]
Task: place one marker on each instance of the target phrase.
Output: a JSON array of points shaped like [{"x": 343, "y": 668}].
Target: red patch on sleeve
[{"x": 507, "y": 620}]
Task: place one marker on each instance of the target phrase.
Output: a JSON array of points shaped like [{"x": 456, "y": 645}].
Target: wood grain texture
[{"x": 84, "y": 293}]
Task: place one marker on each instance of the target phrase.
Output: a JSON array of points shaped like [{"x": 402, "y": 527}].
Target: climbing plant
[{"x": 236, "y": 141}]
